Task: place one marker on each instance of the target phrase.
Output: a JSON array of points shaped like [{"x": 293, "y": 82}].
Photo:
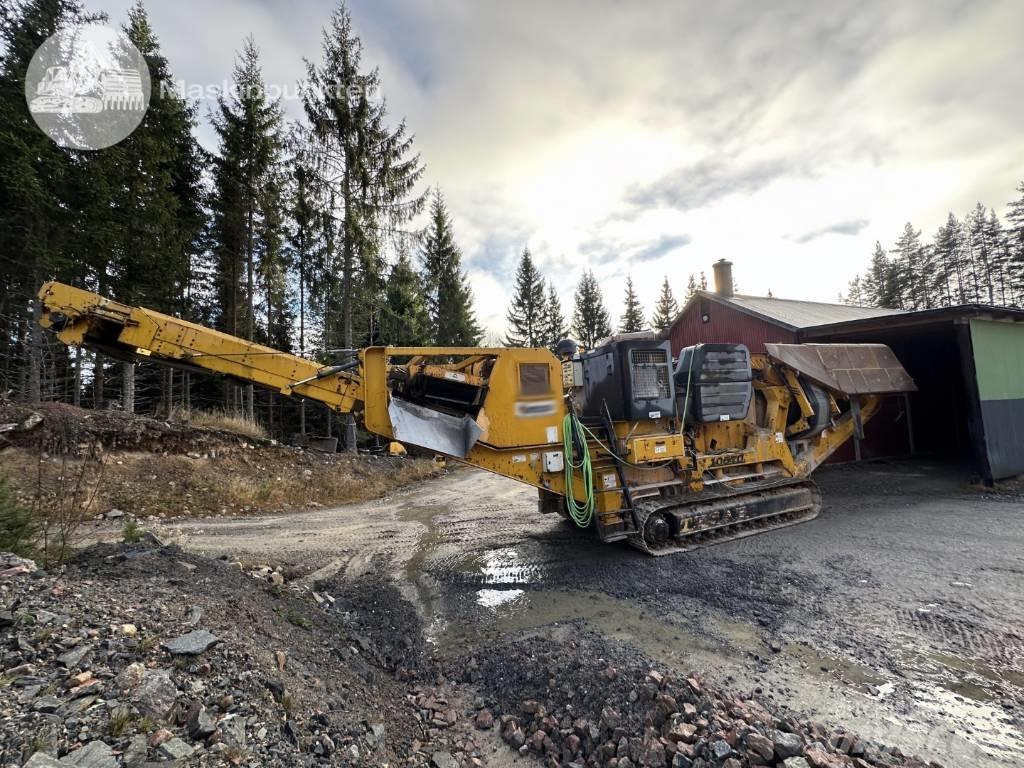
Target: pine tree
[
  {"x": 1014, "y": 237},
  {"x": 554, "y": 329},
  {"x": 666, "y": 309},
  {"x": 449, "y": 297},
  {"x": 1001, "y": 263},
  {"x": 854, "y": 293},
  {"x": 525, "y": 315},
  {"x": 979, "y": 257},
  {"x": 633, "y": 317},
  {"x": 590, "y": 319},
  {"x": 404, "y": 321},
  {"x": 947, "y": 285}
]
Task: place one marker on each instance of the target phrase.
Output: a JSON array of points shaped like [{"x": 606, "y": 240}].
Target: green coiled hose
[{"x": 581, "y": 514}]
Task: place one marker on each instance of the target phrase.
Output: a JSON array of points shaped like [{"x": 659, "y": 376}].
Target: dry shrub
[
  {"x": 221, "y": 420},
  {"x": 64, "y": 495}
]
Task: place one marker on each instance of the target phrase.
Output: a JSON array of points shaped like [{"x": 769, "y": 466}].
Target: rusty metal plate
[{"x": 853, "y": 369}]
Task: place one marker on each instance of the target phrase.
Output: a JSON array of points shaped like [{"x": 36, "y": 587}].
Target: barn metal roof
[{"x": 796, "y": 314}]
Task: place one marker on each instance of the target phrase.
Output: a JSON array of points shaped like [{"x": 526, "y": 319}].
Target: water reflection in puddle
[
  {"x": 505, "y": 566},
  {"x": 493, "y": 598}
]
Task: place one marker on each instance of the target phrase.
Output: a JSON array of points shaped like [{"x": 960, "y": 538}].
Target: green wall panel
[
  {"x": 999, "y": 364},
  {"x": 998, "y": 359}
]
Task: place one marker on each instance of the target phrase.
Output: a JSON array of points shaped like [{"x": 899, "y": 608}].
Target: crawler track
[{"x": 671, "y": 524}]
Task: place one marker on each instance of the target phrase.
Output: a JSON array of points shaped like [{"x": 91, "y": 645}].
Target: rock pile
[
  {"x": 140, "y": 655},
  {"x": 595, "y": 712}
]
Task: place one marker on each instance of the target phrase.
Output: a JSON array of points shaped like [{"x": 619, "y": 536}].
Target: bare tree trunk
[
  {"x": 35, "y": 357},
  {"x": 76, "y": 395},
  {"x": 97, "y": 381},
  {"x": 128, "y": 387},
  {"x": 170, "y": 391},
  {"x": 250, "y": 406}
]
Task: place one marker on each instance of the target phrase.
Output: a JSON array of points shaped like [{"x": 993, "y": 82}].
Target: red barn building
[{"x": 726, "y": 317}]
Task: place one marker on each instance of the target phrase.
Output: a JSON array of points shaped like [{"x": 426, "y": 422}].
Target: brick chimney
[{"x": 723, "y": 277}]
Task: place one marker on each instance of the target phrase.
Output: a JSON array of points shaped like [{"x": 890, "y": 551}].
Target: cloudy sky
[{"x": 653, "y": 138}]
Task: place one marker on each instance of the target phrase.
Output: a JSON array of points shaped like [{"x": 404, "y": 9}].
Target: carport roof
[{"x": 901, "y": 320}]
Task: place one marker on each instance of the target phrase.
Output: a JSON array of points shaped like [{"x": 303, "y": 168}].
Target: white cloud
[{"x": 595, "y": 131}]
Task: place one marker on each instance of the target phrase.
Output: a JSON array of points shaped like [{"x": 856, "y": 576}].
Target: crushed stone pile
[{"x": 585, "y": 701}]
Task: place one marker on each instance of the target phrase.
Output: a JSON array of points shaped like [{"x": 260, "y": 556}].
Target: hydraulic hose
[{"x": 573, "y": 430}]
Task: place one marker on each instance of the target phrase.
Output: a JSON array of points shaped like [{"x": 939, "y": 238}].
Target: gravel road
[{"x": 898, "y": 612}]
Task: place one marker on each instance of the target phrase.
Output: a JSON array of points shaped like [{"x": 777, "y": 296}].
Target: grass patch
[
  {"x": 120, "y": 722},
  {"x": 288, "y": 703},
  {"x": 223, "y": 421},
  {"x": 298, "y": 620}
]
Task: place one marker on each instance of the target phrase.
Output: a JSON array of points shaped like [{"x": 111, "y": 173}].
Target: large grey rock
[
  {"x": 71, "y": 659},
  {"x": 443, "y": 760},
  {"x": 128, "y": 679},
  {"x": 42, "y": 760},
  {"x": 135, "y": 753},
  {"x": 232, "y": 729},
  {"x": 156, "y": 694},
  {"x": 175, "y": 749},
  {"x": 192, "y": 643},
  {"x": 720, "y": 749},
  {"x": 786, "y": 744},
  {"x": 95, "y": 754},
  {"x": 199, "y": 724},
  {"x": 795, "y": 762}
]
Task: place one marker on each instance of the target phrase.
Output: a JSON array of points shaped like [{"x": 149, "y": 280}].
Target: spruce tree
[
  {"x": 247, "y": 209},
  {"x": 878, "y": 285},
  {"x": 305, "y": 244},
  {"x": 913, "y": 269},
  {"x": 370, "y": 169},
  {"x": 404, "y": 321},
  {"x": 666, "y": 309},
  {"x": 526, "y": 313},
  {"x": 155, "y": 186},
  {"x": 36, "y": 204},
  {"x": 449, "y": 298},
  {"x": 633, "y": 316},
  {"x": 691, "y": 289},
  {"x": 590, "y": 318},
  {"x": 554, "y": 329}
]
